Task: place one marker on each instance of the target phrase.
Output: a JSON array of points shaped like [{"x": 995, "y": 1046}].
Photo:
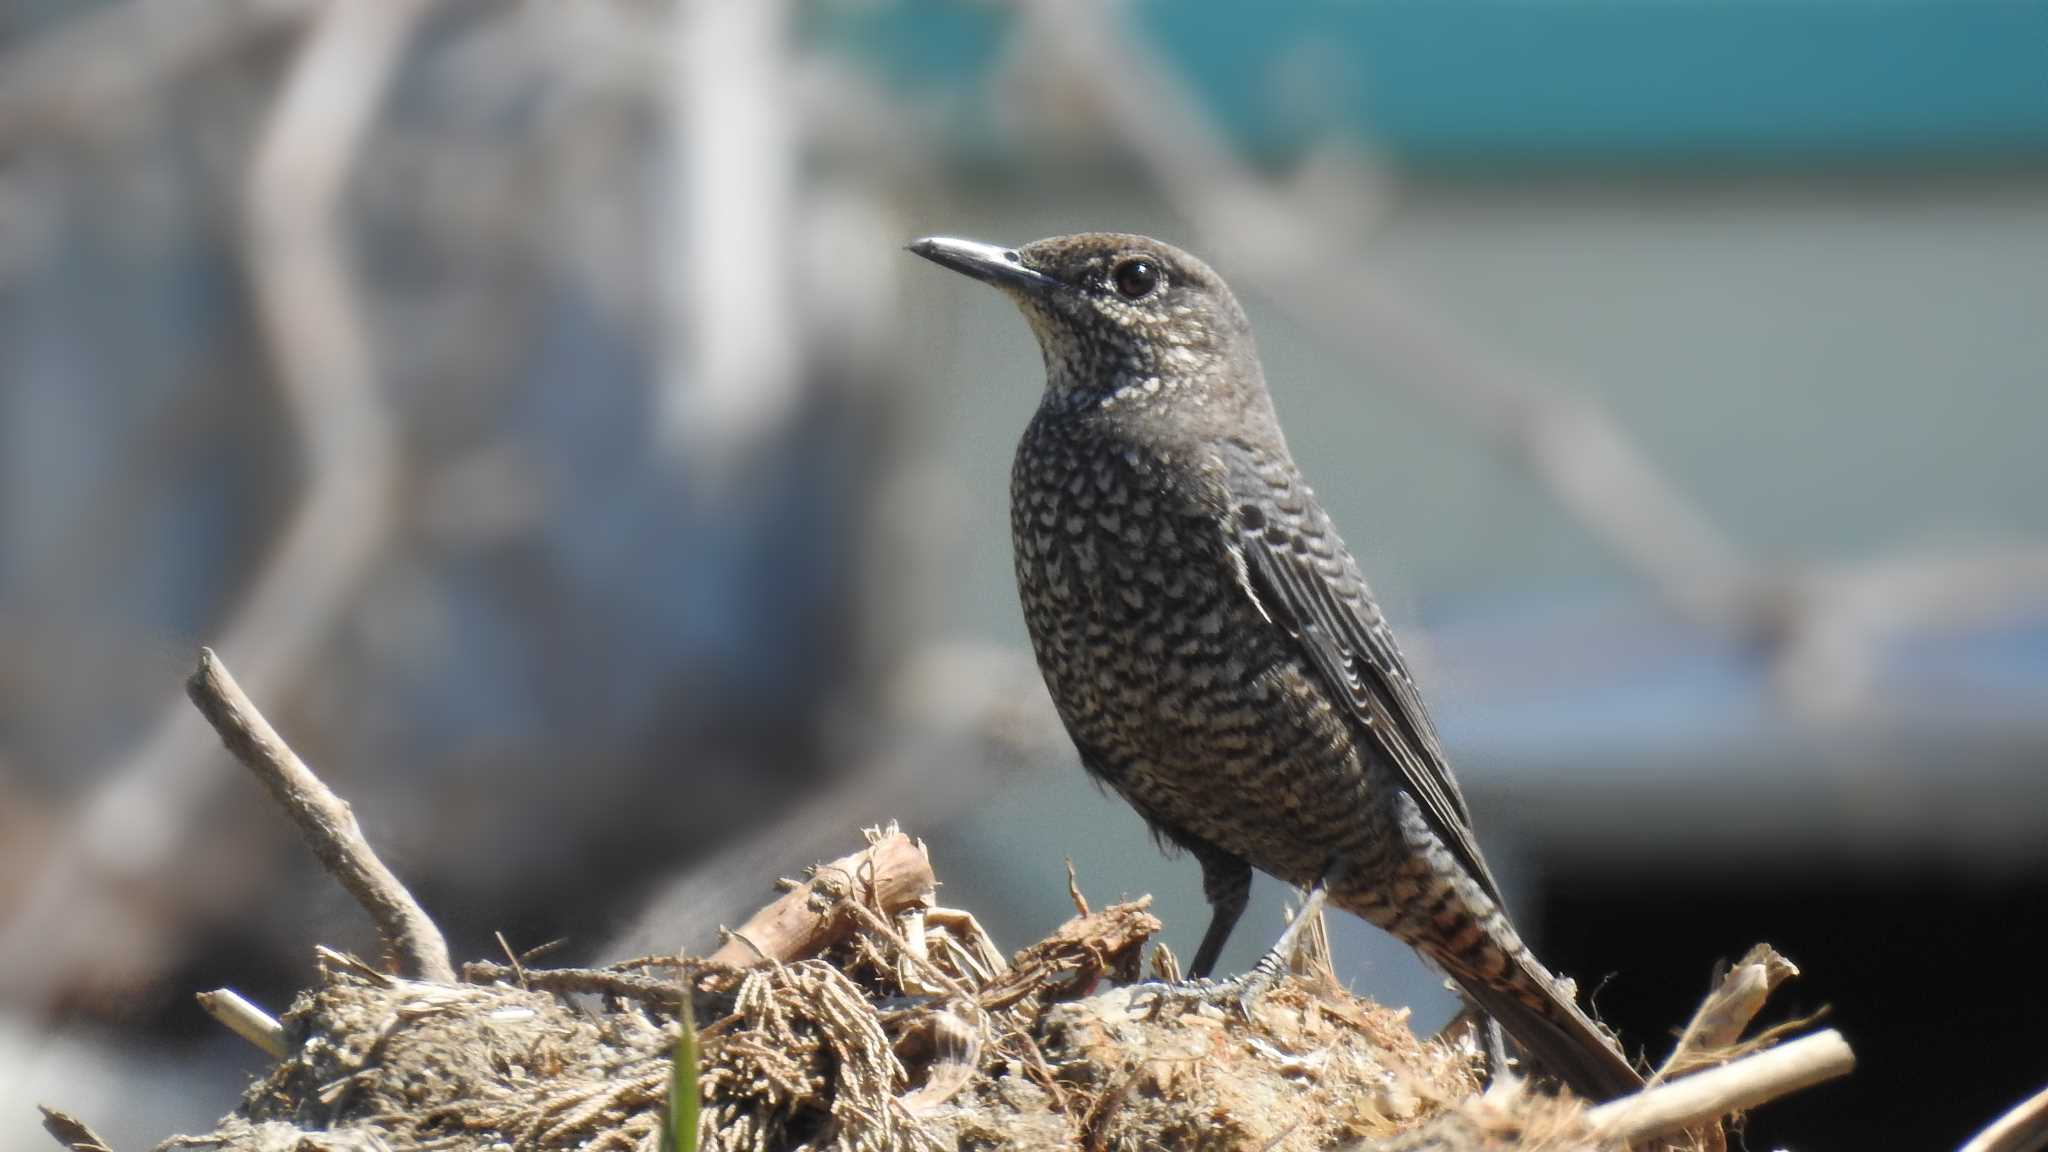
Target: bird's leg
[
  {"x": 1244, "y": 991},
  {"x": 1274, "y": 964},
  {"x": 1227, "y": 882}
]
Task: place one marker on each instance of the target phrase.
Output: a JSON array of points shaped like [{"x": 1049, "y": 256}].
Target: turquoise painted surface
[{"x": 1456, "y": 78}]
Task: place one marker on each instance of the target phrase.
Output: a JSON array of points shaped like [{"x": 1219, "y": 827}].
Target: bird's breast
[
  {"x": 1175, "y": 685},
  {"x": 1148, "y": 641}
]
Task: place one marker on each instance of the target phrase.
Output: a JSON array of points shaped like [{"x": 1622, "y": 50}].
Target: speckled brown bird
[{"x": 1210, "y": 643}]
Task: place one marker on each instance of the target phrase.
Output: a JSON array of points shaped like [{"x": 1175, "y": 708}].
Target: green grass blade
[{"x": 683, "y": 1105}]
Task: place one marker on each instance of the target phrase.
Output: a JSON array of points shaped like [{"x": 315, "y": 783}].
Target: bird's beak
[{"x": 1002, "y": 267}]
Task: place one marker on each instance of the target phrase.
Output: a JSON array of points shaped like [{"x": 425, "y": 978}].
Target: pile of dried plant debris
[{"x": 854, "y": 1014}]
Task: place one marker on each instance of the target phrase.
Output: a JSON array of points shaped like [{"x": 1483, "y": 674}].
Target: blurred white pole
[{"x": 731, "y": 359}]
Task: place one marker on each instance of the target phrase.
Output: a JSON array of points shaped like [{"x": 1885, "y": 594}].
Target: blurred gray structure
[{"x": 532, "y": 404}]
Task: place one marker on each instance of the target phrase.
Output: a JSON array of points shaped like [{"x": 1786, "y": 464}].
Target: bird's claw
[
  {"x": 1154, "y": 997},
  {"x": 1239, "y": 994},
  {"x": 1242, "y": 993}
]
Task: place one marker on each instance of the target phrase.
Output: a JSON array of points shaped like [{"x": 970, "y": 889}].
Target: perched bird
[{"x": 1210, "y": 644}]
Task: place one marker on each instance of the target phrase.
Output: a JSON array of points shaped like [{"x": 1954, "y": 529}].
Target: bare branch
[
  {"x": 1697, "y": 1099},
  {"x": 325, "y": 819}
]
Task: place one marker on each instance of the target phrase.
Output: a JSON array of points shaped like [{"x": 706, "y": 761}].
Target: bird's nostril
[{"x": 1012, "y": 256}]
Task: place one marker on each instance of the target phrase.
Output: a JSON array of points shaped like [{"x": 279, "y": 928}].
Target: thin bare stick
[
  {"x": 518, "y": 969},
  {"x": 71, "y": 1132},
  {"x": 246, "y": 1020},
  {"x": 2024, "y": 1129},
  {"x": 1694, "y": 1100},
  {"x": 626, "y": 985},
  {"x": 1074, "y": 889},
  {"x": 324, "y": 818},
  {"x": 890, "y": 874},
  {"x": 344, "y": 962}
]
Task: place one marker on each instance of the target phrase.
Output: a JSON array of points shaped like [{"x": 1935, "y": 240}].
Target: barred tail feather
[{"x": 1556, "y": 1036}]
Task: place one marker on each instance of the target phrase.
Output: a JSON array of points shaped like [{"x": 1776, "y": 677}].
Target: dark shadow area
[{"x": 1932, "y": 975}]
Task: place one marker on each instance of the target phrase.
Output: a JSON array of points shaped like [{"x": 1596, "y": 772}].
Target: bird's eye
[{"x": 1135, "y": 278}]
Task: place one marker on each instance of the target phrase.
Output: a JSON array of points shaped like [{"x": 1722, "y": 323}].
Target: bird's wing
[{"x": 1309, "y": 585}]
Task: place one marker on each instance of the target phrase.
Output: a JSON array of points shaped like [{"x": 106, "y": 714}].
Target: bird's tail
[{"x": 1537, "y": 1010}]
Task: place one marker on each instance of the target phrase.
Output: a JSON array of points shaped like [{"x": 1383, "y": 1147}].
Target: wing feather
[{"x": 1346, "y": 640}]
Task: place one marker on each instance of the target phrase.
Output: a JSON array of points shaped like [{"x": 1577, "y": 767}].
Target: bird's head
[{"x": 1121, "y": 319}]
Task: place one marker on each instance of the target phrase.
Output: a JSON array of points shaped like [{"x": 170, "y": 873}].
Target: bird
[{"x": 1211, "y": 645}]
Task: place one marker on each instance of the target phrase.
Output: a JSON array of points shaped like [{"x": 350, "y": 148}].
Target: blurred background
[{"x": 533, "y": 404}]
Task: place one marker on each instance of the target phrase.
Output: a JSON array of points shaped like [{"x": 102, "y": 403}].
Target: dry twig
[
  {"x": 1078, "y": 955},
  {"x": 1706, "y": 1096},
  {"x": 1711, "y": 1036},
  {"x": 597, "y": 981},
  {"x": 324, "y": 818},
  {"x": 890, "y": 874}
]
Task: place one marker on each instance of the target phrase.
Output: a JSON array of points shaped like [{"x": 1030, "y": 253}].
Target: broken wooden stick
[
  {"x": 1714, "y": 1035},
  {"x": 246, "y": 1020},
  {"x": 1694, "y": 1100},
  {"x": 890, "y": 874},
  {"x": 325, "y": 820}
]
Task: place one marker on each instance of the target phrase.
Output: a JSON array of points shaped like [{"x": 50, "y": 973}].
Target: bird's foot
[
  {"x": 1240, "y": 993},
  {"x": 1154, "y": 997}
]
